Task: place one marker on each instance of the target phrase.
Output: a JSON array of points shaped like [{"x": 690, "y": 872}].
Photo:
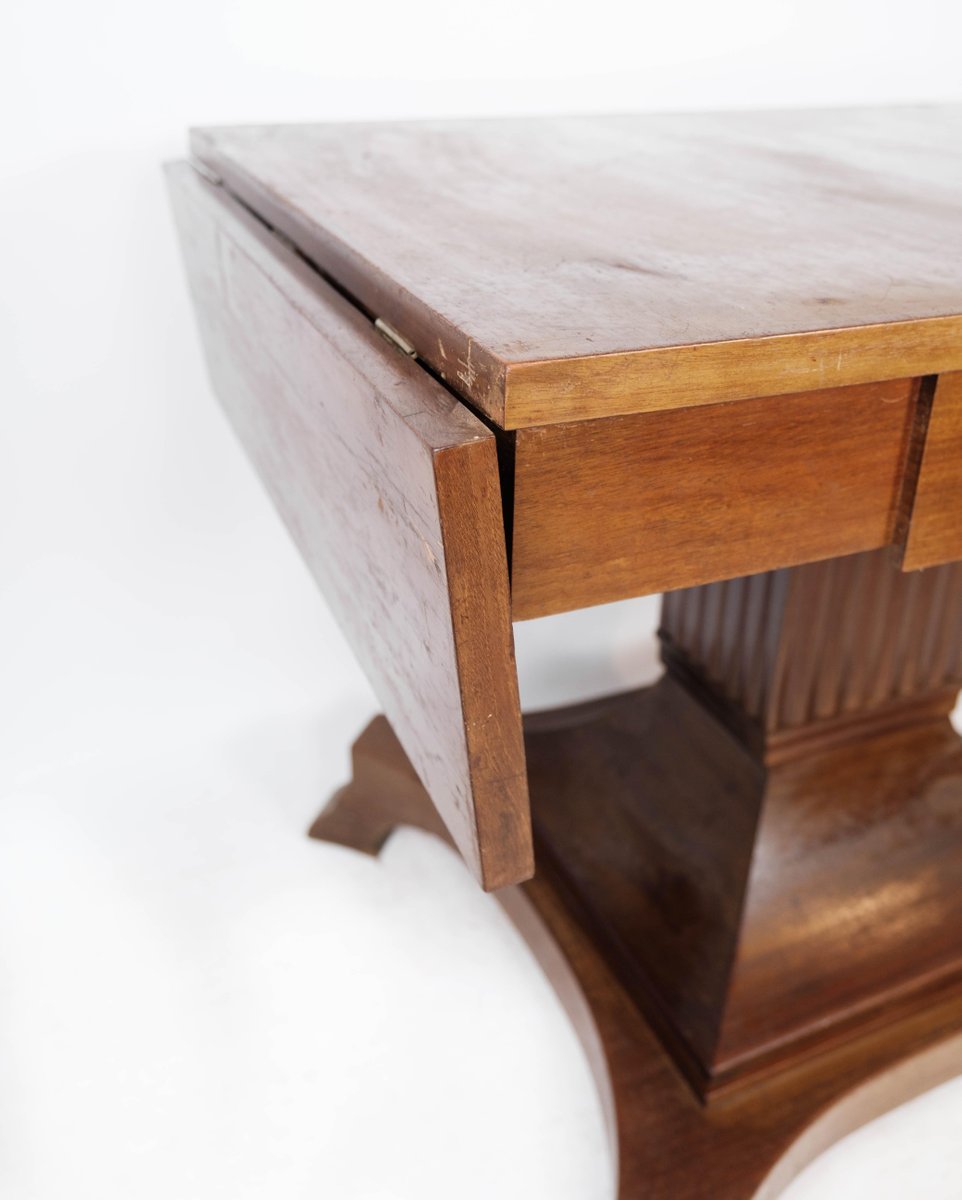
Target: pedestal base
[{"x": 746, "y": 1145}]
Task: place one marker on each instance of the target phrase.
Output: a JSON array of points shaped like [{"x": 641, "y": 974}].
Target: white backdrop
[{"x": 195, "y": 1001}]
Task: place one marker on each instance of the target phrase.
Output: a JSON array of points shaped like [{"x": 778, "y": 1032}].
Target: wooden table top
[{"x": 554, "y": 269}]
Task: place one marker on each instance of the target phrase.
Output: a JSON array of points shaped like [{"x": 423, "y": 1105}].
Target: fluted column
[
  {"x": 768, "y": 842},
  {"x": 803, "y": 649}
]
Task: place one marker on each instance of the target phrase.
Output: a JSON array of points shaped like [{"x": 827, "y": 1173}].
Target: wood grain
[
  {"x": 666, "y": 1144},
  {"x": 626, "y": 506},
  {"x": 390, "y": 489},
  {"x": 773, "y": 852},
  {"x": 714, "y": 372},
  {"x": 873, "y": 638},
  {"x": 565, "y": 268},
  {"x": 775, "y": 845},
  {"x": 935, "y": 528}
]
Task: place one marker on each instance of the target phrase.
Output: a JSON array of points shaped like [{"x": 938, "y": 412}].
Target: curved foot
[
  {"x": 747, "y": 1145},
  {"x": 384, "y": 793}
]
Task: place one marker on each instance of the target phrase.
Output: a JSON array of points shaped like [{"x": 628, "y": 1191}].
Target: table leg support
[{"x": 748, "y": 874}]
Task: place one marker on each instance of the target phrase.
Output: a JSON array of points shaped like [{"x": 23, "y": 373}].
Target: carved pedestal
[
  {"x": 750, "y": 874},
  {"x": 768, "y": 844}
]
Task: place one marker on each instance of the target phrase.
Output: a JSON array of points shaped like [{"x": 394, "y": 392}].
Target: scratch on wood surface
[{"x": 466, "y": 372}]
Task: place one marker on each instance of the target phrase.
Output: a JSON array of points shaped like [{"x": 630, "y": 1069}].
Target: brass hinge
[{"x": 392, "y": 335}]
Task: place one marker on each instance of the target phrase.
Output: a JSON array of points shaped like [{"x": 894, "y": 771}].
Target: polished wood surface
[
  {"x": 716, "y": 356},
  {"x": 668, "y": 1145},
  {"x": 626, "y": 506},
  {"x": 797, "y": 653},
  {"x": 390, "y": 489},
  {"x": 773, "y": 850},
  {"x": 564, "y": 268},
  {"x": 935, "y": 532}
]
